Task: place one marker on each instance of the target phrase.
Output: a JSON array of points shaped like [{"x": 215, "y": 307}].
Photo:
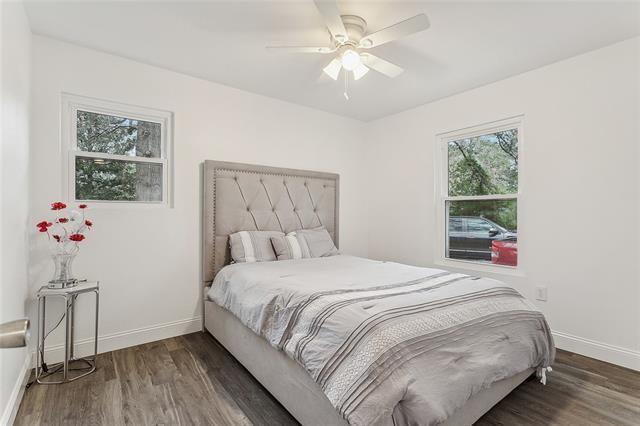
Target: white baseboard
[
  {"x": 598, "y": 350},
  {"x": 110, "y": 342},
  {"x": 125, "y": 339},
  {"x": 11, "y": 409}
]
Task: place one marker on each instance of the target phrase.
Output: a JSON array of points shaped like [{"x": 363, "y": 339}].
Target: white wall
[
  {"x": 15, "y": 37},
  {"x": 580, "y": 207},
  {"x": 579, "y": 231},
  {"x": 147, "y": 259}
]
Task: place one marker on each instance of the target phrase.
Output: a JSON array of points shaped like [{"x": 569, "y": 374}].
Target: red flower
[
  {"x": 63, "y": 220},
  {"x": 76, "y": 237},
  {"x": 56, "y": 237},
  {"x": 82, "y": 206},
  {"x": 44, "y": 224},
  {"x": 58, "y": 205},
  {"x": 88, "y": 223},
  {"x": 43, "y": 229}
]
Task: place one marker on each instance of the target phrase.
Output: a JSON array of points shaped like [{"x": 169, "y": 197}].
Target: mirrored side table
[{"x": 71, "y": 368}]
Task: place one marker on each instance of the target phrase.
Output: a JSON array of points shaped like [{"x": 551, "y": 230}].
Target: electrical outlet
[{"x": 541, "y": 293}]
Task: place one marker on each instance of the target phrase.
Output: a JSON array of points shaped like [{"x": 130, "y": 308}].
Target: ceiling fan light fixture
[
  {"x": 333, "y": 69},
  {"x": 350, "y": 60},
  {"x": 350, "y": 42},
  {"x": 360, "y": 71}
]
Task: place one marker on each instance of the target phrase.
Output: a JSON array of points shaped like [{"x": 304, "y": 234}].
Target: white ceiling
[{"x": 468, "y": 44}]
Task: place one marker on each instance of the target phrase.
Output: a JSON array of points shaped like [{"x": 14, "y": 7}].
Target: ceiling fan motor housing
[{"x": 355, "y": 26}]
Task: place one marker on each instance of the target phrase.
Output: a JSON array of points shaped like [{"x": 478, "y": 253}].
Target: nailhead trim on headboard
[{"x": 211, "y": 175}]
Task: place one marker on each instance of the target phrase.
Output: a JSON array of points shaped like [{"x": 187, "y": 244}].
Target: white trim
[
  {"x": 119, "y": 157},
  {"x": 125, "y": 339},
  {"x": 603, "y": 351},
  {"x": 481, "y": 267},
  {"x": 441, "y": 194},
  {"x": 68, "y": 145},
  {"x": 481, "y": 197},
  {"x": 485, "y": 128},
  {"x": 13, "y": 404}
]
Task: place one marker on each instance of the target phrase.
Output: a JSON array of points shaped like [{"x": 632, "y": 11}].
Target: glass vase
[{"x": 63, "y": 275}]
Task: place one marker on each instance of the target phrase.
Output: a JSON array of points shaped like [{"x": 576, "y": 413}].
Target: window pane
[
  {"x": 484, "y": 165},
  {"x": 485, "y": 231},
  {"x": 455, "y": 224},
  {"x": 475, "y": 225},
  {"x": 110, "y": 134},
  {"x": 116, "y": 180}
]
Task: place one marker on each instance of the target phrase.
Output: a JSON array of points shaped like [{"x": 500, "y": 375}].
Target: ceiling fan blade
[
  {"x": 401, "y": 29},
  {"x": 360, "y": 71},
  {"x": 300, "y": 49},
  {"x": 331, "y": 14},
  {"x": 382, "y": 66},
  {"x": 333, "y": 69}
]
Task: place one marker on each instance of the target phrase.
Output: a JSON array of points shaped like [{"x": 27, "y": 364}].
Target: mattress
[{"x": 388, "y": 343}]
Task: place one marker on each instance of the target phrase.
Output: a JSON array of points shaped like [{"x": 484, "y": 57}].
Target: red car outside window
[{"x": 504, "y": 252}]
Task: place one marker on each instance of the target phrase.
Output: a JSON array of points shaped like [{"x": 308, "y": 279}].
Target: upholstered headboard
[{"x": 241, "y": 197}]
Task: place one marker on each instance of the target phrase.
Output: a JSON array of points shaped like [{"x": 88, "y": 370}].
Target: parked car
[
  {"x": 505, "y": 252},
  {"x": 472, "y": 238}
]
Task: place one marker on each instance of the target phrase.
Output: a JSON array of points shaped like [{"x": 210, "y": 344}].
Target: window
[
  {"x": 116, "y": 153},
  {"x": 478, "y": 193}
]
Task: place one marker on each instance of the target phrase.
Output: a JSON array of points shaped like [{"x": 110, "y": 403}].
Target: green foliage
[
  {"x": 106, "y": 133},
  {"x": 100, "y": 179},
  {"x": 105, "y": 180},
  {"x": 485, "y": 165}
]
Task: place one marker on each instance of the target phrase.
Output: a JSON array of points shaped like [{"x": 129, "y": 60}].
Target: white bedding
[
  {"x": 384, "y": 340},
  {"x": 255, "y": 292}
]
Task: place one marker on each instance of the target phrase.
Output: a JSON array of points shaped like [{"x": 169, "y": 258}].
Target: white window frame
[
  {"x": 441, "y": 168},
  {"x": 69, "y": 146}
]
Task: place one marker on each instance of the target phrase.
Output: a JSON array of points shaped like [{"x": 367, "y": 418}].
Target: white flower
[{"x": 76, "y": 216}]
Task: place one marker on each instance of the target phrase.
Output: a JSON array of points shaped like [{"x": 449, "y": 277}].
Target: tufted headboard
[{"x": 241, "y": 197}]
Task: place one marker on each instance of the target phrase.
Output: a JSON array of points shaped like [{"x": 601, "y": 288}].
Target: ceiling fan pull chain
[{"x": 346, "y": 88}]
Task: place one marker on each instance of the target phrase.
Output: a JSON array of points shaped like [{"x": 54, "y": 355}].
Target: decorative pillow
[
  {"x": 286, "y": 247},
  {"x": 253, "y": 246},
  {"x": 315, "y": 242}
]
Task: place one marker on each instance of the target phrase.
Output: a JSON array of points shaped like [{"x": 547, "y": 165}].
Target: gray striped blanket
[{"x": 388, "y": 343}]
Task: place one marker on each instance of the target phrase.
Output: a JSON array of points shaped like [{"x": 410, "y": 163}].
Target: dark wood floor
[{"x": 193, "y": 380}]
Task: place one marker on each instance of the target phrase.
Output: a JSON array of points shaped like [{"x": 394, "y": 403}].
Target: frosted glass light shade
[
  {"x": 333, "y": 69},
  {"x": 350, "y": 60}
]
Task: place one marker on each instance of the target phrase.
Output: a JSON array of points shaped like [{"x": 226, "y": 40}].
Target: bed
[{"x": 249, "y": 197}]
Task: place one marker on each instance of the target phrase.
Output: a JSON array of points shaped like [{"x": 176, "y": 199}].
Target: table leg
[
  {"x": 95, "y": 343},
  {"x": 72, "y": 321},
  {"x": 66, "y": 340},
  {"x": 41, "y": 323}
]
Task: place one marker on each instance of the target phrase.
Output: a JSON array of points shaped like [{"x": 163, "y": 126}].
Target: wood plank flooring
[{"x": 192, "y": 380}]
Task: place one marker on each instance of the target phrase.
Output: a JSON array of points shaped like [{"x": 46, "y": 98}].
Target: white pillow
[
  {"x": 315, "y": 242},
  {"x": 286, "y": 247},
  {"x": 318, "y": 242},
  {"x": 253, "y": 246}
]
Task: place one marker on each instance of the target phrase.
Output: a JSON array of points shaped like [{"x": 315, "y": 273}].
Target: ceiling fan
[{"x": 350, "y": 42}]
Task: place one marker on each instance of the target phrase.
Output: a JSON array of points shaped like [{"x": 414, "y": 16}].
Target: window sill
[
  {"x": 470, "y": 265},
  {"x": 117, "y": 205}
]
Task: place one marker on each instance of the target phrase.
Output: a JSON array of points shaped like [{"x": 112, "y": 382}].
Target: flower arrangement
[{"x": 65, "y": 233}]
